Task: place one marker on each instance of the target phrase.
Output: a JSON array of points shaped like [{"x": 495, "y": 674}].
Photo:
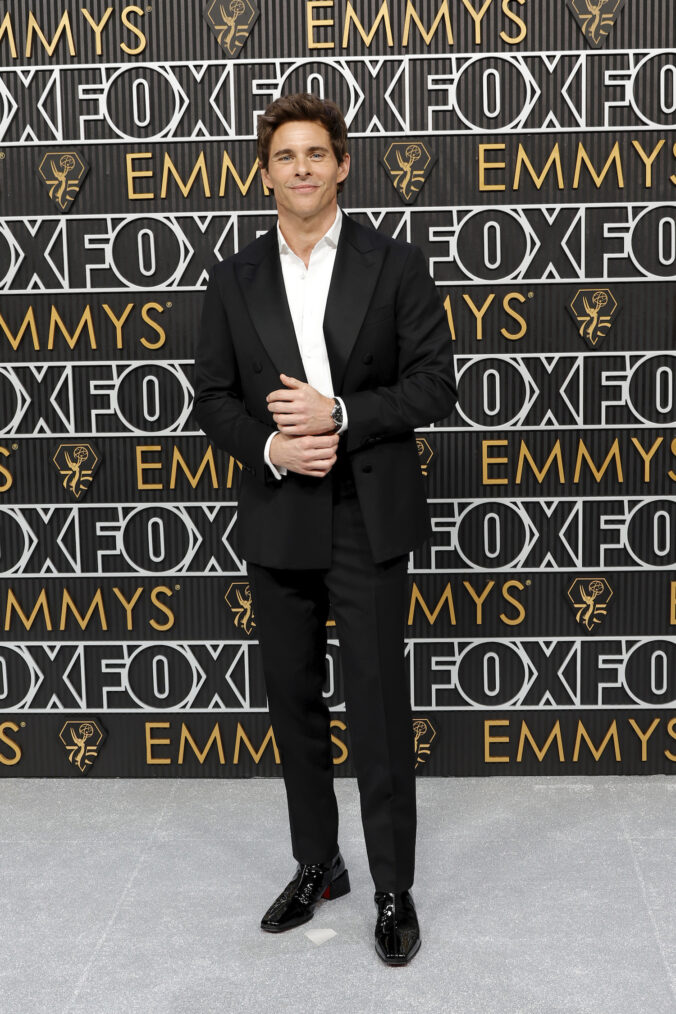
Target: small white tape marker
[{"x": 319, "y": 936}]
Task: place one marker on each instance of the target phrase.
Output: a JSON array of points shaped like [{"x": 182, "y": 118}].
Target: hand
[
  {"x": 300, "y": 410},
  {"x": 308, "y": 455}
]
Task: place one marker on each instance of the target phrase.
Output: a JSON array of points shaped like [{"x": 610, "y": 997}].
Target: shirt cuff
[
  {"x": 342, "y": 405},
  {"x": 277, "y": 472}
]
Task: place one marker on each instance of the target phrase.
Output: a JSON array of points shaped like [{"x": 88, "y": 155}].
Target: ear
[
  {"x": 265, "y": 176},
  {"x": 344, "y": 168}
]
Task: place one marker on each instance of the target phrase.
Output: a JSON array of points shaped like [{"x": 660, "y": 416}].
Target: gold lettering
[
  {"x": 143, "y": 466},
  {"x": 133, "y": 173},
  {"x": 442, "y": 15},
  {"x": 485, "y": 166},
  {"x": 199, "y": 169},
  {"x": 129, "y": 604},
  {"x": 207, "y": 461},
  {"x": 4, "y": 738},
  {"x": 40, "y": 604},
  {"x": 201, "y": 755},
  {"x": 477, "y": 17},
  {"x": 672, "y": 618},
  {"x": 313, "y": 23},
  {"x": 644, "y": 736},
  {"x": 513, "y": 40},
  {"x": 507, "y": 307},
  {"x": 134, "y": 29},
  {"x": 648, "y": 159},
  {"x": 6, "y": 26},
  {"x": 63, "y": 26},
  {"x": 672, "y": 448},
  {"x": 242, "y": 737},
  {"x": 613, "y": 158},
  {"x": 342, "y": 756},
  {"x": 151, "y": 742},
  {"x": 231, "y": 472},
  {"x": 647, "y": 457},
  {"x": 154, "y": 598},
  {"x": 118, "y": 321},
  {"x": 228, "y": 167},
  {"x": 449, "y": 316},
  {"x": 98, "y": 26},
  {"x": 96, "y": 603},
  {"x": 525, "y": 455},
  {"x": 417, "y": 599},
  {"x": 71, "y": 339},
  {"x": 487, "y": 462},
  {"x": 479, "y": 599},
  {"x": 613, "y": 454},
  {"x": 583, "y": 734},
  {"x": 9, "y": 478},
  {"x": 382, "y": 15},
  {"x": 489, "y": 739},
  {"x": 28, "y": 322},
  {"x": 671, "y": 731},
  {"x": 521, "y": 611},
  {"x": 555, "y": 734},
  {"x": 522, "y": 161},
  {"x": 145, "y": 314},
  {"x": 479, "y": 313}
]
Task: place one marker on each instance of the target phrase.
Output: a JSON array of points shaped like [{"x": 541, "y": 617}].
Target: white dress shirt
[{"x": 307, "y": 290}]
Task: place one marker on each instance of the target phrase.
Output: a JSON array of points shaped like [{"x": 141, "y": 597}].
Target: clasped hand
[{"x": 307, "y": 442}]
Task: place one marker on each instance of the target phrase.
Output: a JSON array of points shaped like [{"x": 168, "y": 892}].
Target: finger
[
  {"x": 282, "y": 395},
  {"x": 290, "y": 381}
]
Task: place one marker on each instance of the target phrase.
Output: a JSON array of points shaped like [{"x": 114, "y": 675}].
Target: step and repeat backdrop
[{"x": 529, "y": 148}]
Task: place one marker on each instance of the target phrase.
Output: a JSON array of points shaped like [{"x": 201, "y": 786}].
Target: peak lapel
[
  {"x": 353, "y": 281},
  {"x": 262, "y": 283}
]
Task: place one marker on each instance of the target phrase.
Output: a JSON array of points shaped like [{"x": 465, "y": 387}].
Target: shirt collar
[{"x": 329, "y": 238}]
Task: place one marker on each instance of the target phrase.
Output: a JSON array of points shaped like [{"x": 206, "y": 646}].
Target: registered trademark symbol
[
  {"x": 149, "y": 9},
  {"x": 2, "y": 154},
  {"x": 15, "y": 447},
  {"x": 177, "y": 587},
  {"x": 169, "y": 305},
  {"x": 23, "y": 725},
  {"x": 530, "y": 295},
  {"x": 529, "y": 581}
]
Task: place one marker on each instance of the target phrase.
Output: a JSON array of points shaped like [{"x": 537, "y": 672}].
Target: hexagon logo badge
[
  {"x": 596, "y": 18},
  {"x": 425, "y": 453},
  {"x": 63, "y": 172},
  {"x": 594, "y": 311},
  {"x": 424, "y": 733},
  {"x": 76, "y": 464},
  {"x": 238, "y": 597},
  {"x": 83, "y": 739},
  {"x": 589, "y": 597},
  {"x": 408, "y": 164},
  {"x": 231, "y": 22}
]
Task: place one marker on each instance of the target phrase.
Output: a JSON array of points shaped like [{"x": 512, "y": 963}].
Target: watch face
[{"x": 337, "y": 414}]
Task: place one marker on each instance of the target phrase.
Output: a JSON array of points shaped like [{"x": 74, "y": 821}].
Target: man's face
[{"x": 302, "y": 169}]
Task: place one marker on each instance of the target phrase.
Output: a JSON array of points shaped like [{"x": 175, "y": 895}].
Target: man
[{"x": 323, "y": 345}]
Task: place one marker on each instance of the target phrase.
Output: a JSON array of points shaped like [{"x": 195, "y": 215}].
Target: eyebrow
[{"x": 291, "y": 151}]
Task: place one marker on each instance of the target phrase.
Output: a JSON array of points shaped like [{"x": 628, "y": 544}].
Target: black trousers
[{"x": 369, "y": 607}]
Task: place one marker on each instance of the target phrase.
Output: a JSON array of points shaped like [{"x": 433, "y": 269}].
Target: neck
[{"x": 302, "y": 235}]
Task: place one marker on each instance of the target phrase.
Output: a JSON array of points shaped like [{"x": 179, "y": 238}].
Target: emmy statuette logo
[
  {"x": 425, "y": 454},
  {"x": 231, "y": 22},
  {"x": 82, "y": 739},
  {"x": 596, "y": 18},
  {"x": 408, "y": 164},
  {"x": 594, "y": 311},
  {"x": 238, "y": 597},
  {"x": 424, "y": 732},
  {"x": 589, "y": 597},
  {"x": 76, "y": 464},
  {"x": 62, "y": 172}
]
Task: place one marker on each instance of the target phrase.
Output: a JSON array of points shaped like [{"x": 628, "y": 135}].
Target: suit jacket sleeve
[
  {"x": 425, "y": 390},
  {"x": 219, "y": 407}
]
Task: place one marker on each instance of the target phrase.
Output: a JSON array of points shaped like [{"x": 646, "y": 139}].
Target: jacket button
[
  {"x": 257, "y": 366},
  {"x": 367, "y": 359},
  {"x": 367, "y": 468}
]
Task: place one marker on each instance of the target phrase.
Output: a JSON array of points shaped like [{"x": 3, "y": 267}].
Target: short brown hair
[{"x": 302, "y": 106}]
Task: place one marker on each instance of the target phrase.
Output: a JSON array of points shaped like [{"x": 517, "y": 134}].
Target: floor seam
[
  {"x": 132, "y": 877},
  {"x": 651, "y": 914}
]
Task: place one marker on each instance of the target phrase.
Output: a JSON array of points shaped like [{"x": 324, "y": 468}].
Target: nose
[{"x": 303, "y": 166}]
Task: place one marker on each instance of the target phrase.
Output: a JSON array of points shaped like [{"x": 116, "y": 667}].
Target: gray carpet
[{"x": 536, "y": 896}]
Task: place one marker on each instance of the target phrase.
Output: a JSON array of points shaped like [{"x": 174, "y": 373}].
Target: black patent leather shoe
[
  {"x": 397, "y": 930},
  {"x": 296, "y": 904}
]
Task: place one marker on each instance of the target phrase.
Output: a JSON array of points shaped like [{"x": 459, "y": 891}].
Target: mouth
[{"x": 305, "y": 187}]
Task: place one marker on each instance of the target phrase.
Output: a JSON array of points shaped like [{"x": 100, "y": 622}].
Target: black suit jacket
[{"x": 389, "y": 350}]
